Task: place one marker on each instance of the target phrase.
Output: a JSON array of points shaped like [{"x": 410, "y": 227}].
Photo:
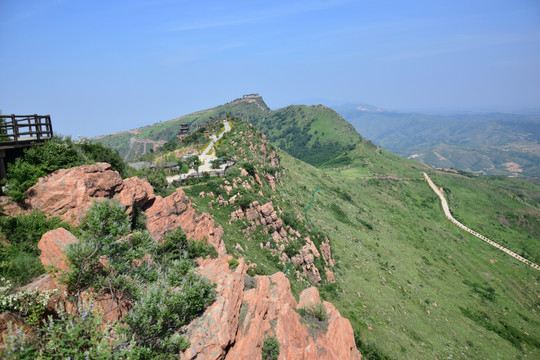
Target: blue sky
[{"x": 104, "y": 66}]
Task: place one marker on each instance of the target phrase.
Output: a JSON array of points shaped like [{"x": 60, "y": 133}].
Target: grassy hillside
[
  {"x": 314, "y": 134},
  {"x": 494, "y": 143},
  {"x": 413, "y": 285},
  {"x": 130, "y": 144}
]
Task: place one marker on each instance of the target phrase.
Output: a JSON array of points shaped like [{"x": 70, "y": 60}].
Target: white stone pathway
[{"x": 448, "y": 214}]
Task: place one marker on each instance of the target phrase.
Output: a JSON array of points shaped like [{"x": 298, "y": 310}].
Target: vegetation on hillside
[
  {"x": 19, "y": 255},
  {"x": 163, "y": 291}
]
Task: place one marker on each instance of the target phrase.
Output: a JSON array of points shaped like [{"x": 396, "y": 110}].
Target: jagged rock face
[
  {"x": 327, "y": 252},
  {"x": 68, "y": 193},
  {"x": 306, "y": 259},
  {"x": 175, "y": 210},
  {"x": 247, "y": 310},
  {"x": 267, "y": 216},
  {"x": 136, "y": 193},
  {"x": 273, "y": 160}
]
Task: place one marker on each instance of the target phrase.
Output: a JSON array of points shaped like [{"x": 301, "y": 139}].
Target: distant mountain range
[{"x": 486, "y": 143}]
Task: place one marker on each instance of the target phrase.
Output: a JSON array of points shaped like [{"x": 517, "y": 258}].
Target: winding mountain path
[{"x": 448, "y": 214}]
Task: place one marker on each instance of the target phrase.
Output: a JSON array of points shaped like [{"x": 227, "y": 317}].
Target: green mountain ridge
[{"x": 301, "y": 130}]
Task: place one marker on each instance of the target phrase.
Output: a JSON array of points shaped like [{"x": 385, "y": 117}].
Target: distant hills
[{"x": 486, "y": 143}]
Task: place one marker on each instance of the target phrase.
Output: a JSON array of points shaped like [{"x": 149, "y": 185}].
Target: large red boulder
[
  {"x": 52, "y": 245},
  {"x": 68, "y": 193}
]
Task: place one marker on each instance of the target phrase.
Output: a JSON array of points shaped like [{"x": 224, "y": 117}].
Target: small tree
[
  {"x": 270, "y": 349},
  {"x": 216, "y": 164}
]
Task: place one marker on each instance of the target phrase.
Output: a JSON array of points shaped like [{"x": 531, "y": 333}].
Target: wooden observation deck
[{"x": 20, "y": 131}]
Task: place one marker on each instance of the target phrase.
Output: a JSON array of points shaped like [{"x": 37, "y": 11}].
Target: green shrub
[
  {"x": 270, "y": 349},
  {"x": 176, "y": 246},
  {"x": 315, "y": 318},
  {"x": 249, "y": 167},
  {"x": 290, "y": 219},
  {"x": 162, "y": 310},
  {"x": 68, "y": 336},
  {"x": 244, "y": 201},
  {"x": 232, "y": 173},
  {"x": 21, "y": 176},
  {"x": 81, "y": 336},
  {"x": 19, "y": 255},
  {"x": 96, "y": 152},
  {"x": 106, "y": 220},
  {"x": 233, "y": 263},
  {"x": 102, "y": 226},
  {"x": 317, "y": 310},
  {"x": 28, "y": 304},
  {"x": 293, "y": 248}
]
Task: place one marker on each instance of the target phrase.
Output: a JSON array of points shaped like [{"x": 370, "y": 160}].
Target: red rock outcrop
[
  {"x": 306, "y": 259},
  {"x": 136, "y": 193},
  {"x": 8, "y": 320},
  {"x": 273, "y": 160},
  {"x": 271, "y": 182},
  {"x": 175, "y": 211},
  {"x": 52, "y": 246},
  {"x": 247, "y": 310},
  {"x": 68, "y": 193}
]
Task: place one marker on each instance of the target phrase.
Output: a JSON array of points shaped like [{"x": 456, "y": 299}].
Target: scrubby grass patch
[{"x": 315, "y": 318}]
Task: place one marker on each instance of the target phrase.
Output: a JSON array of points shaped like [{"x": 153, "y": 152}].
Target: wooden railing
[{"x": 22, "y": 128}]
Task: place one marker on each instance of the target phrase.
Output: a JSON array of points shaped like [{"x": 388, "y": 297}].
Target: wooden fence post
[{"x": 15, "y": 128}]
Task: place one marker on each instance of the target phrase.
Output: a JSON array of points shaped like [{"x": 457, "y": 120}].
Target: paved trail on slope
[{"x": 482, "y": 237}]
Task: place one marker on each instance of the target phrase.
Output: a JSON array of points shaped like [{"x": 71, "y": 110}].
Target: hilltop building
[{"x": 184, "y": 131}]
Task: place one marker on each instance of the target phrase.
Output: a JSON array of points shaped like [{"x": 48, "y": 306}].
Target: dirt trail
[{"x": 448, "y": 214}]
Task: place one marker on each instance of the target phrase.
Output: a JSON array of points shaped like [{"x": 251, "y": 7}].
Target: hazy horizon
[{"x": 99, "y": 67}]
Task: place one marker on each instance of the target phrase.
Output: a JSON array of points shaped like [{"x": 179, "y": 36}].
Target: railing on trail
[{"x": 22, "y": 130}]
